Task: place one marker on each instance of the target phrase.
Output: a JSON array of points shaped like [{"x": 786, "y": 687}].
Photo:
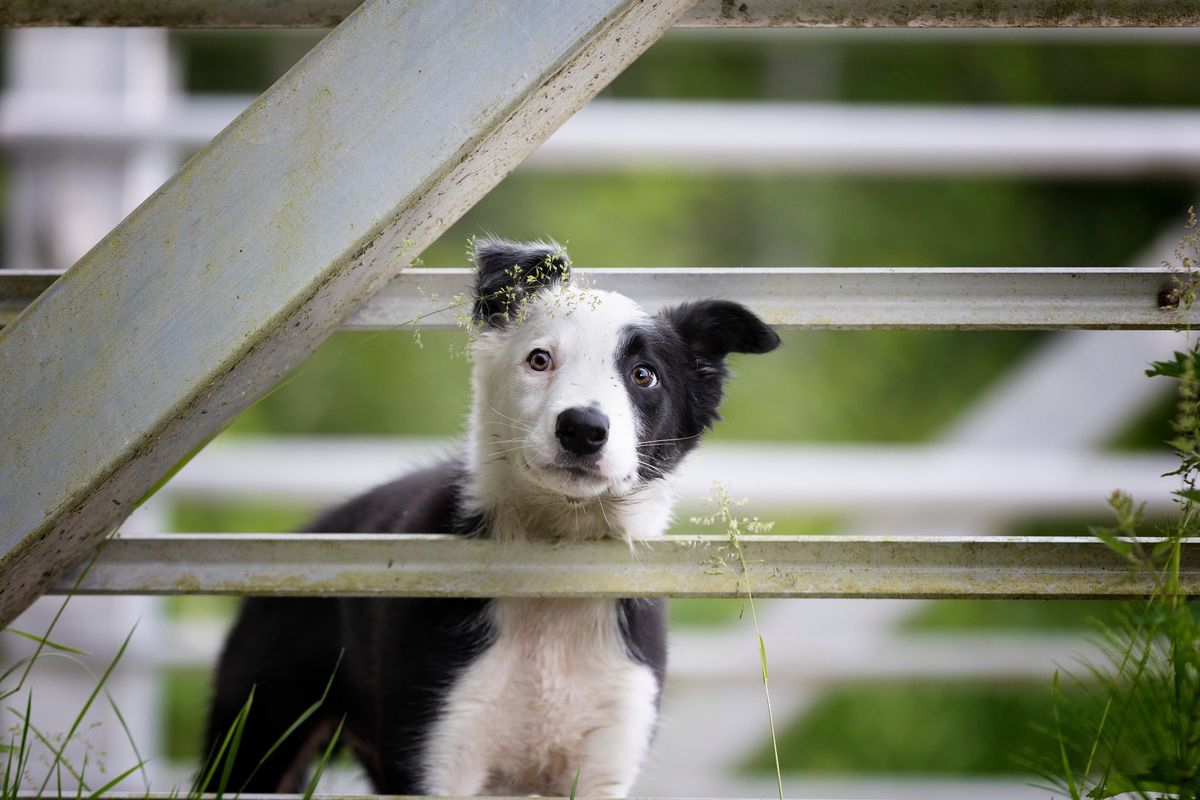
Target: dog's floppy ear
[
  {"x": 507, "y": 274},
  {"x": 712, "y": 329}
]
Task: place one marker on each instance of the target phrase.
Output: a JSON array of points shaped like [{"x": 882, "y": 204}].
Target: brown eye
[
  {"x": 540, "y": 361},
  {"x": 644, "y": 377}
]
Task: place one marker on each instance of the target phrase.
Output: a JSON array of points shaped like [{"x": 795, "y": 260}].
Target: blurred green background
[{"x": 898, "y": 386}]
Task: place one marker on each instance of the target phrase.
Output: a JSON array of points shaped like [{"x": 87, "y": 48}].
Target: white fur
[{"x": 555, "y": 694}]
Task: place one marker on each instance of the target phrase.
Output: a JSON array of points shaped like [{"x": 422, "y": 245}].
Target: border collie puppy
[{"x": 583, "y": 406}]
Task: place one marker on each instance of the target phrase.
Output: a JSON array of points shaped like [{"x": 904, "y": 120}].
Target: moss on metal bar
[
  {"x": 943, "y": 13},
  {"x": 693, "y": 566},
  {"x": 706, "y": 13}
]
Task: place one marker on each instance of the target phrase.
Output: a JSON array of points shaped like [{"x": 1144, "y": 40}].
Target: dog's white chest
[{"x": 556, "y": 690}]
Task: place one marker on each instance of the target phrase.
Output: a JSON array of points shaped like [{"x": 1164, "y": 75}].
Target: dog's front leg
[
  {"x": 613, "y": 753},
  {"x": 457, "y": 764}
]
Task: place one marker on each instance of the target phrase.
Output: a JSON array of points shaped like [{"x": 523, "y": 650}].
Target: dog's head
[{"x": 581, "y": 392}]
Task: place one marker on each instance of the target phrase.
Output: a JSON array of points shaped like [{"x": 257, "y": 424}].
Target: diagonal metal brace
[{"x": 206, "y": 295}]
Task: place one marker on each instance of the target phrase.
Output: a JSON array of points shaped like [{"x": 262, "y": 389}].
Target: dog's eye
[
  {"x": 643, "y": 376},
  {"x": 540, "y": 361}
]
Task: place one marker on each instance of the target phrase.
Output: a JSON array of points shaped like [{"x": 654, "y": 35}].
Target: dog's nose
[{"x": 582, "y": 431}]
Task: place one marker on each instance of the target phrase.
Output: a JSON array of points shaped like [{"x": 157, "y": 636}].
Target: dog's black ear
[
  {"x": 712, "y": 329},
  {"x": 507, "y": 274}
]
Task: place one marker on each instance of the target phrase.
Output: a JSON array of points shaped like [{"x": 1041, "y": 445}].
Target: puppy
[{"x": 584, "y": 404}]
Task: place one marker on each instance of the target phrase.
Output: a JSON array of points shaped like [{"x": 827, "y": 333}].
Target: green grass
[
  {"x": 197, "y": 516},
  {"x": 185, "y": 696},
  {"x": 950, "y": 616},
  {"x": 902, "y": 728}
]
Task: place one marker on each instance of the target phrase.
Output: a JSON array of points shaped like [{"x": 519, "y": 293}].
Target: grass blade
[
  {"x": 87, "y": 706},
  {"x": 53, "y": 622},
  {"x": 100, "y": 792},
  {"x": 49, "y": 744},
  {"x": 308, "y": 712},
  {"x": 130, "y": 738},
  {"x": 205, "y": 778},
  {"x": 330, "y": 749},
  {"x": 33, "y": 637},
  {"x": 235, "y": 743},
  {"x": 1062, "y": 745}
]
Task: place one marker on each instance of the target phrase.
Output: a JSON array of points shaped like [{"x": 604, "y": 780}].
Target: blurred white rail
[
  {"x": 872, "y": 480},
  {"x": 709, "y": 656},
  {"x": 789, "y": 137}
]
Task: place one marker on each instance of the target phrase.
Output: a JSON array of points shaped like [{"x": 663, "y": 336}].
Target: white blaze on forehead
[{"x": 593, "y": 311}]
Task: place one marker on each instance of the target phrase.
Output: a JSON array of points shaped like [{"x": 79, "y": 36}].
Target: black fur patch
[
  {"x": 686, "y": 347},
  {"x": 400, "y": 654},
  {"x": 508, "y": 274}
]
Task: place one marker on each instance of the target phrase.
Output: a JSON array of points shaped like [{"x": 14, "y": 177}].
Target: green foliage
[
  {"x": 1140, "y": 733},
  {"x": 185, "y": 696},
  {"x": 1013, "y": 615},
  {"x": 914, "y": 728}
]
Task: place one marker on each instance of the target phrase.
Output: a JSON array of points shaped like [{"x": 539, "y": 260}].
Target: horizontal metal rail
[
  {"x": 802, "y": 138},
  {"x": 706, "y": 13},
  {"x": 693, "y": 566},
  {"x": 799, "y": 297}
]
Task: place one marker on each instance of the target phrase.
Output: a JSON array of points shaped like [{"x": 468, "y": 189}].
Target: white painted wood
[
  {"x": 703, "y": 656},
  {"x": 869, "y": 139},
  {"x": 810, "y": 298},
  {"x": 802, "y": 138},
  {"x": 206, "y": 295},
  {"x": 998, "y": 482},
  {"x": 415, "y": 565}
]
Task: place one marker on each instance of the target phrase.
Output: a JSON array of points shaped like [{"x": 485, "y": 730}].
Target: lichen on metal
[
  {"x": 812, "y": 298},
  {"x": 705, "y": 13},
  {"x": 691, "y": 566},
  {"x": 942, "y": 13}
]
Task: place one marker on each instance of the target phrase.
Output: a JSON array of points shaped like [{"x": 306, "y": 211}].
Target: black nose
[{"x": 582, "y": 431}]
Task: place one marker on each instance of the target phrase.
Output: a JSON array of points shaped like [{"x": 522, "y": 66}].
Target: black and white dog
[{"x": 584, "y": 404}]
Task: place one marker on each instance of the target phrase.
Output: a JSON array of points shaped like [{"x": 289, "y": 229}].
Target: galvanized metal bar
[
  {"x": 942, "y": 14},
  {"x": 693, "y": 566},
  {"x": 206, "y": 295},
  {"x": 1046, "y": 298},
  {"x": 816, "y": 298},
  {"x": 706, "y": 13}
]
